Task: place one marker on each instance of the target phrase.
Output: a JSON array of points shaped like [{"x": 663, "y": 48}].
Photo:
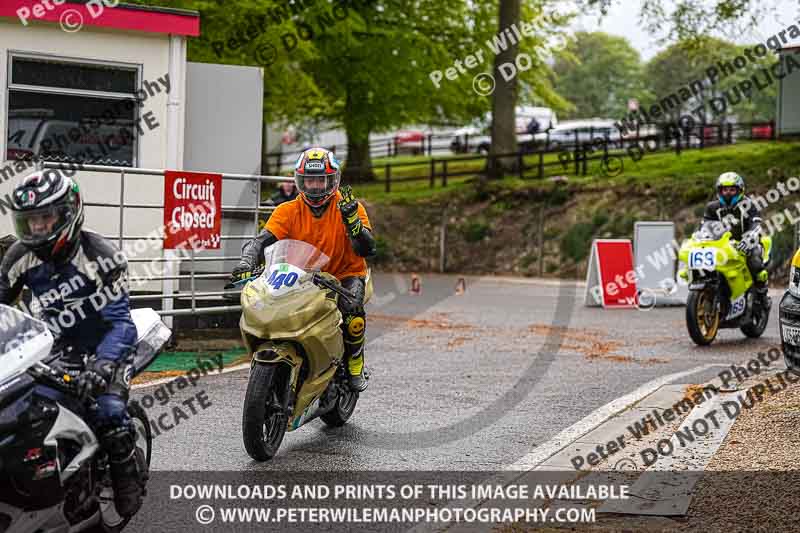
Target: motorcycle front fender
[{"x": 277, "y": 352}]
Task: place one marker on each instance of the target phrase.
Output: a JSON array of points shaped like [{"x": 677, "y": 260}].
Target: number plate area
[
  {"x": 281, "y": 278},
  {"x": 703, "y": 259}
]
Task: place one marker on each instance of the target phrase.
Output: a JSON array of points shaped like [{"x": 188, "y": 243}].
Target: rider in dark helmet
[
  {"x": 66, "y": 268},
  {"x": 343, "y": 234}
]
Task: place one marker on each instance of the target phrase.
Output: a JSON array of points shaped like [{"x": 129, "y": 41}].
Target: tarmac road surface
[{"x": 459, "y": 382}]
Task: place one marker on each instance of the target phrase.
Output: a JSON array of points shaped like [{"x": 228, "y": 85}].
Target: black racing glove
[
  {"x": 348, "y": 206},
  {"x": 748, "y": 242},
  {"x": 241, "y": 272},
  {"x": 96, "y": 378}
]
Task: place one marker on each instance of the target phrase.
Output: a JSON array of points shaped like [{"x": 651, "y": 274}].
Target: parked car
[
  {"x": 477, "y": 136},
  {"x": 471, "y": 139},
  {"x": 567, "y": 134},
  {"x": 410, "y": 142},
  {"x": 764, "y": 131}
]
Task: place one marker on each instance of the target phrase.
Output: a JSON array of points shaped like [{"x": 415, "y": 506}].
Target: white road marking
[
  {"x": 243, "y": 366},
  {"x": 544, "y": 451}
]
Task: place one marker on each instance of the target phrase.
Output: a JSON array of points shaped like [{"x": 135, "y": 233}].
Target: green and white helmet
[{"x": 730, "y": 179}]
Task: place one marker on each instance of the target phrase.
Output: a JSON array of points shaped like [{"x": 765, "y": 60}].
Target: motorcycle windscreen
[
  {"x": 24, "y": 341},
  {"x": 287, "y": 261},
  {"x": 711, "y": 230}
]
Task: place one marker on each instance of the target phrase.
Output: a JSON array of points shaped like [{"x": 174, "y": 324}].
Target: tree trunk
[
  {"x": 359, "y": 161},
  {"x": 504, "y": 99}
]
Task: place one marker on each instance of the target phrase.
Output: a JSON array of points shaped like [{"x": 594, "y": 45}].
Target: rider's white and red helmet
[{"x": 312, "y": 165}]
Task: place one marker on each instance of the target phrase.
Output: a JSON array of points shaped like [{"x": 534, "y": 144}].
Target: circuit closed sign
[{"x": 192, "y": 210}]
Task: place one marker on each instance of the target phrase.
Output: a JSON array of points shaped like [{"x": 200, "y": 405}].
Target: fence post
[
  {"x": 394, "y": 152},
  {"x": 433, "y": 172},
  {"x": 443, "y": 242},
  {"x": 541, "y": 165},
  {"x": 466, "y": 142},
  {"x": 521, "y": 165},
  {"x": 772, "y": 132},
  {"x": 677, "y": 145},
  {"x": 388, "y": 177},
  {"x": 444, "y": 173},
  {"x": 121, "y": 205},
  {"x": 730, "y": 133},
  {"x": 541, "y": 241},
  {"x": 585, "y": 160},
  {"x": 430, "y": 143},
  {"x": 258, "y": 206},
  {"x": 388, "y": 148},
  {"x": 191, "y": 253}
]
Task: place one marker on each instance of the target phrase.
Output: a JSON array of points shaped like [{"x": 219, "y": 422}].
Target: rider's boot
[
  {"x": 125, "y": 476},
  {"x": 354, "y": 353}
]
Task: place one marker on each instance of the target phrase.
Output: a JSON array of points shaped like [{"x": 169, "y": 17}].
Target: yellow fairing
[{"x": 273, "y": 329}]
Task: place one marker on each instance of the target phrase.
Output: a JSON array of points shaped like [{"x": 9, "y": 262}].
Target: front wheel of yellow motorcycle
[
  {"x": 264, "y": 415},
  {"x": 702, "y": 317}
]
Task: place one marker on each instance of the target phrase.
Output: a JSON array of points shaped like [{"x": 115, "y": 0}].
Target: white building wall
[
  {"x": 789, "y": 101},
  {"x": 152, "y": 53}
]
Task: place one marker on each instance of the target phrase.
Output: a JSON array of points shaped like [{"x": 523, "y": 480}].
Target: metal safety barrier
[{"x": 168, "y": 294}]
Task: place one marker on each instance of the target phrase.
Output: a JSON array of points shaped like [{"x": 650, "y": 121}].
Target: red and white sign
[
  {"x": 192, "y": 210},
  {"x": 611, "y": 278}
]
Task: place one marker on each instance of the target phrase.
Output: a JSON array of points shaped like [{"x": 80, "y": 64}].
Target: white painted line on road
[
  {"x": 243, "y": 366},
  {"x": 544, "y": 451}
]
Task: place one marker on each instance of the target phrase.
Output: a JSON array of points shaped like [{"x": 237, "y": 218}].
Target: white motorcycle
[{"x": 54, "y": 477}]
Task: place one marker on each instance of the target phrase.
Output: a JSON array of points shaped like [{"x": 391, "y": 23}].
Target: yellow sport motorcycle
[
  {"x": 290, "y": 326},
  {"x": 721, "y": 293}
]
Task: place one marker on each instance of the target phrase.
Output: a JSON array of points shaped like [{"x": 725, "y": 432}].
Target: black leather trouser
[{"x": 755, "y": 263}]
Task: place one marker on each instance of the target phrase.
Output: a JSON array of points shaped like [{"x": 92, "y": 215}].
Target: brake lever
[
  {"x": 54, "y": 377},
  {"x": 335, "y": 287}
]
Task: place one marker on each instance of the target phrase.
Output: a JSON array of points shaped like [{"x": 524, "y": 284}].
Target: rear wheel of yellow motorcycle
[
  {"x": 702, "y": 317},
  {"x": 343, "y": 410},
  {"x": 264, "y": 418}
]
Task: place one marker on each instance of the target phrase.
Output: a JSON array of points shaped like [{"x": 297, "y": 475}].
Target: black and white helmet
[{"x": 48, "y": 214}]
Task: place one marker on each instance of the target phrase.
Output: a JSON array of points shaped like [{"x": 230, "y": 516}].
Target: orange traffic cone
[
  {"x": 416, "y": 284},
  {"x": 461, "y": 286}
]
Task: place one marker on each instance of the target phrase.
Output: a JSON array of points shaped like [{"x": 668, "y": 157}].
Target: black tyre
[
  {"x": 702, "y": 317},
  {"x": 758, "y": 323},
  {"x": 264, "y": 418},
  {"x": 144, "y": 433},
  {"x": 343, "y": 410}
]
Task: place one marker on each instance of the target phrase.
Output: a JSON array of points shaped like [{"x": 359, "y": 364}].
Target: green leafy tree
[
  {"x": 365, "y": 65},
  {"x": 687, "y": 20},
  {"x": 598, "y": 73},
  {"x": 685, "y": 63}
]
